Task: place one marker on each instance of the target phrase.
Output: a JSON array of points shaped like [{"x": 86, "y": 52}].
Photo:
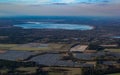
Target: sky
[{"x": 59, "y": 7}]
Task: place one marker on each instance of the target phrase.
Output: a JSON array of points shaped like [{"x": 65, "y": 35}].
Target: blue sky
[{"x": 60, "y": 7}]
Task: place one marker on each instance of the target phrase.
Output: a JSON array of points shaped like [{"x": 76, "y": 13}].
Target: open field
[
  {"x": 4, "y": 71},
  {"x": 63, "y": 71},
  {"x": 30, "y": 48},
  {"x": 79, "y": 48},
  {"x": 113, "y": 50},
  {"x": 35, "y": 47},
  {"x": 7, "y": 46},
  {"x": 23, "y": 70},
  {"x": 28, "y": 70}
]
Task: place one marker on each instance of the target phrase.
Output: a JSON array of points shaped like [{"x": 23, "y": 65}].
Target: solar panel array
[
  {"x": 55, "y": 60},
  {"x": 52, "y": 59},
  {"x": 15, "y": 55}
]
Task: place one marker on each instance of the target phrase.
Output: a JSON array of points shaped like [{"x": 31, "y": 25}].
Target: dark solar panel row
[
  {"x": 15, "y": 55},
  {"x": 50, "y": 59}
]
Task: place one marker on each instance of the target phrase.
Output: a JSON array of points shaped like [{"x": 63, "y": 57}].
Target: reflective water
[{"x": 38, "y": 25}]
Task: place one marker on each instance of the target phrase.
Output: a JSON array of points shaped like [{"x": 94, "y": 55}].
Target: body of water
[{"x": 38, "y": 25}]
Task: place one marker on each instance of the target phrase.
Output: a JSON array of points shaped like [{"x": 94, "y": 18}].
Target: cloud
[
  {"x": 60, "y": 7},
  {"x": 61, "y": 10},
  {"x": 67, "y": 1},
  {"x": 57, "y": 1}
]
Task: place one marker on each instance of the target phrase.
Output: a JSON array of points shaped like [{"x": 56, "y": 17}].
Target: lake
[{"x": 40, "y": 25}]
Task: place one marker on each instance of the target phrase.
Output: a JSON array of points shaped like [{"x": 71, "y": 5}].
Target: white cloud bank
[
  {"x": 80, "y": 9},
  {"x": 57, "y": 1}
]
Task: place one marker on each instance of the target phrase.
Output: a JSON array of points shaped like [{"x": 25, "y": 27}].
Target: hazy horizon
[{"x": 59, "y": 8}]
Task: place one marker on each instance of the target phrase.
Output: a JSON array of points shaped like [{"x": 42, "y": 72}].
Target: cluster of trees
[
  {"x": 100, "y": 70},
  {"x": 12, "y": 65},
  {"x": 95, "y": 47}
]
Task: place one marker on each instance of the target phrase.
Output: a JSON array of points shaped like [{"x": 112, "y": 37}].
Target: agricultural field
[
  {"x": 22, "y": 70},
  {"x": 4, "y": 71},
  {"x": 27, "y": 70},
  {"x": 35, "y": 47},
  {"x": 79, "y": 48},
  {"x": 63, "y": 71},
  {"x": 113, "y": 50},
  {"x": 7, "y": 46}
]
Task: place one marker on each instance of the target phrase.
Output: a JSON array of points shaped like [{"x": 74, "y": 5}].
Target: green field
[
  {"x": 28, "y": 70},
  {"x": 23, "y": 70},
  {"x": 63, "y": 71},
  {"x": 7, "y": 46},
  {"x": 4, "y": 71},
  {"x": 35, "y": 47},
  {"x": 113, "y": 50},
  {"x": 30, "y": 48}
]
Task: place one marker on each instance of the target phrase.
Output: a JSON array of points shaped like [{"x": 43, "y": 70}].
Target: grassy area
[
  {"x": 28, "y": 70},
  {"x": 3, "y": 71},
  {"x": 34, "y": 47},
  {"x": 113, "y": 50},
  {"x": 114, "y": 74},
  {"x": 7, "y": 46},
  {"x": 56, "y": 46},
  {"x": 29, "y": 48},
  {"x": 23, "y": 70},
  {"x": 63, "y": 71},
  {"x": 60, "y": 46}
]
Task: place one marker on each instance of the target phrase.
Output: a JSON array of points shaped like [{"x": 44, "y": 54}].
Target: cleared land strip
[
  {"x": 79, "y": 48},
  {"x": 36, "y": 47}
]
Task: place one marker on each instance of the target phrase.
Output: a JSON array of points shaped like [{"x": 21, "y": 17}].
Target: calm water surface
[{"x": 38, "y": 25}]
